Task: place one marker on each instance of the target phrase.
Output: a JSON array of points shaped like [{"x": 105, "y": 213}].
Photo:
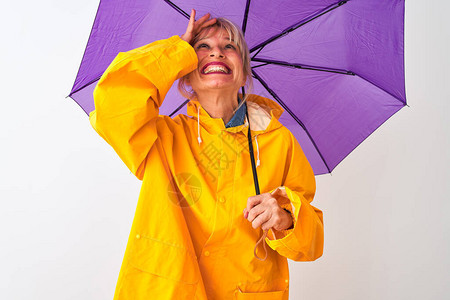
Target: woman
[{"x": 198, "y": 218}]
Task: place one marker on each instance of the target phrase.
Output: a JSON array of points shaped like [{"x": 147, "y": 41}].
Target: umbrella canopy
[{"x": 337, "y": 68}]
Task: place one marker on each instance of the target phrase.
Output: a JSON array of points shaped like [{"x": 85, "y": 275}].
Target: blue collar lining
[{"x": 238, "y": 117}]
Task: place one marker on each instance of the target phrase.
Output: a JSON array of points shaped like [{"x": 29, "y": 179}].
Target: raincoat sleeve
[
  {"x": 305, "y": 241},
  {"x": 129, "y": 93}
]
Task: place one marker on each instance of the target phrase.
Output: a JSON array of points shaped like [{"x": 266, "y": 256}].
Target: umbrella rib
[
  {"x": 286, "y": 108},
  {"x": 179, "y": 107},
  {"x": 85, "y": 85},
  {"x": 322, "y": 69},
  {"x": 305, "y": 67},
  {"x": 174, "y": 6},
  {"x": 389, "y": 93},
  {"x": 244, "y": 22},
  {"x": 84, "y": 54},
  {"x": 257, "y": 52},
  {"x": 260, "y": 65},
  {"x": 297, "y": 25}
]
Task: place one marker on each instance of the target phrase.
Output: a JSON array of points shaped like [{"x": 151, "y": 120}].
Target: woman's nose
[{"x": 216, "y": 52}]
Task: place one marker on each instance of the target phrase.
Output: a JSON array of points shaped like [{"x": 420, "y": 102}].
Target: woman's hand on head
[
  {"x": 263, "y": 210},
  {"x": 195, "y": 27}
]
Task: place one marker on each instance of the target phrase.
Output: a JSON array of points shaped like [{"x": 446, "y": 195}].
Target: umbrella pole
[
  {"x": 255, "y": 179},
  {"x": 250, "y": 148}
]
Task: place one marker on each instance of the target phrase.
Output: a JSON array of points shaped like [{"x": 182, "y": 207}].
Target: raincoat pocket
[
  {"x": 274, "y": 295},
  {"x": 164, "y": 259}
]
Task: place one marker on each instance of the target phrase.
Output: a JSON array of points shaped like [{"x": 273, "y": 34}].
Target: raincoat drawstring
[
  {"x": 263, "y": 240},
  {"x": 198, "y": 125},
  {"x": 258, "y": 162}
]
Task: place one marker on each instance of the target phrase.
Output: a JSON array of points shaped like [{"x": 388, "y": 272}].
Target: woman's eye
[
  {"x": 230, "y": 46},
  {"x": 202, "y": 46}
]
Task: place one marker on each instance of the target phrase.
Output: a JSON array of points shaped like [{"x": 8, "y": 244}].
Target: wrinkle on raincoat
[{"x": 189, "y": 239}]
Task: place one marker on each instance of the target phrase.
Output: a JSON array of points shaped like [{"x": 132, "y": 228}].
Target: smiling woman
[
  {"x": 219, "y": 71},
  {"x": 198, "y": 218},
  {"x": 222, "y": 55}
]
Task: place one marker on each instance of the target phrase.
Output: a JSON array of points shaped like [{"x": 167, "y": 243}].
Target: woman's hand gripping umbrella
[{"x": 263, "y": 210}]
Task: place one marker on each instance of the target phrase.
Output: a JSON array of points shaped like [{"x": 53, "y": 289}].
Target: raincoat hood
[{"x": 263, "y": 113}]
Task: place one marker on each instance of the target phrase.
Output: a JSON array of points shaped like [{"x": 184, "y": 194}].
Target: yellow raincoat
[{"x": 189, "y": 238}]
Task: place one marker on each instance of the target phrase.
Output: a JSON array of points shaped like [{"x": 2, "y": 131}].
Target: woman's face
[{"x": 219, "y": 63}]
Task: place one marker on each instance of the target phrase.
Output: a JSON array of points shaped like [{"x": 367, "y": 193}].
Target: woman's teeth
[{"x": 215, "y": 69}]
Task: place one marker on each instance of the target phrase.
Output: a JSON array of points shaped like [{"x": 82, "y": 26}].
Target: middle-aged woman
[{"x": 198, "y": 219}]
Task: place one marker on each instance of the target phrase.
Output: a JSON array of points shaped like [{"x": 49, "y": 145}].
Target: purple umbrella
[{"x": 335, "y": 67}]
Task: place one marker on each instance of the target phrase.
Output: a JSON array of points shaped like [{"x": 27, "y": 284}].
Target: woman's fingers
[
  {"x": 191, "y": 23},
  {"x": 255, "y": 212},
  {"x": 262, "y": 219},
  {"x": 203, "y": 19},
  {"x": 187, "y": 36},
  {"x": 195, "y": 27},
  {"x": 203, "y": 22},
  {"x": 251, "y": 202},
  {"x": 209, "y": 22},
  {"x": 264, "y": 211}
]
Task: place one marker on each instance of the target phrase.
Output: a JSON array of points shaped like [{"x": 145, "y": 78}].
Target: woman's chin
[{"x": 219, "y": 84}]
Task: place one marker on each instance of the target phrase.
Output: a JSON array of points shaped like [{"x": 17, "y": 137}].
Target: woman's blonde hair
[{"x": 235, "y": 34}]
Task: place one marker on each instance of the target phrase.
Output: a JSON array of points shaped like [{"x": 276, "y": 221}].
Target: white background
[{"x": 67, "y": 200}]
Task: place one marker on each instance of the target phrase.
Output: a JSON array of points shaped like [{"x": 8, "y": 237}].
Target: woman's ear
[{"x": 187, "y": 80}]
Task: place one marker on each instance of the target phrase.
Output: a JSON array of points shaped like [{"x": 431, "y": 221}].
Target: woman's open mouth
[{"x": 216, "y": 68}]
